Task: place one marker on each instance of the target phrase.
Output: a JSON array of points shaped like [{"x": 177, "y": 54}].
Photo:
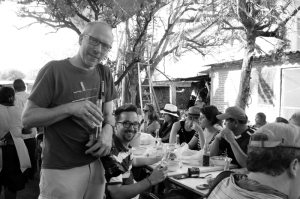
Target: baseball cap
[
  {"x": 233, "y": 112},
  {"x": 276, "y": 134}
]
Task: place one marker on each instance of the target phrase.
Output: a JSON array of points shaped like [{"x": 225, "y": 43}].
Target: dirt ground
[{"x": 31, "y": 190}]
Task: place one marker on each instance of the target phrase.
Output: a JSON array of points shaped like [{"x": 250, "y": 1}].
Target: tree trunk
[{"x": 244, "y": 88}]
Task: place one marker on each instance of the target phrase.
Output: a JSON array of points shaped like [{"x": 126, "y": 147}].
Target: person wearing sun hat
[
  {"x": 234, "y": 139},
  {"x": 274, "y": 165},
  {"x": 184, "y": 128},
  {"x": 170, "y": 113}
]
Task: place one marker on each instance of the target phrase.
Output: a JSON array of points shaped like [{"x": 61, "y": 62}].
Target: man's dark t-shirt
[
  {"x": 58, "y": 83},
  {"x": 243, "y": 142}
]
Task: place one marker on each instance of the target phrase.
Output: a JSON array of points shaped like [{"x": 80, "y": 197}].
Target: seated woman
[
  {"x": 170, "y": 116},
  {"x": 209, "y": 122},
  {"x": 12, "y": 148},
  {"x": 184, "y": 128},
  {"x": 151, "y": 120}
]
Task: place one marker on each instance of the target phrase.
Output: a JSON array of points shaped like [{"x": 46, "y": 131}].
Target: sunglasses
[{"x": 145, "y": 110}]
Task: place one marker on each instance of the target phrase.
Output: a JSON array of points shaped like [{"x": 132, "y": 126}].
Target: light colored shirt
[
  {"x": 10, "y": 121},
  {"x": 21, "y": 99},
  {"x": 229, "y": 188}
]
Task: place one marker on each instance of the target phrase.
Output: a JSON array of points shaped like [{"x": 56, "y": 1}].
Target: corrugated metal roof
[{"x": 259, "y": 59}]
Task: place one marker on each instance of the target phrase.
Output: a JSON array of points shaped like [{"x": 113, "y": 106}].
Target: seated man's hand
[
  {"x": 228, "y": 135},
  {"x": 158, "y": 174}
]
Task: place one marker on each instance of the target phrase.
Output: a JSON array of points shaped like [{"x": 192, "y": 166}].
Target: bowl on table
[
  {"x": 219, "y": 160},
  {"x": 173, "y": 165},
  {"x": 138, "y": 150}
]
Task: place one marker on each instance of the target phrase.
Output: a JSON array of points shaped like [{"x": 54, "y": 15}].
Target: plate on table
[{"x": 192, "y": 162}]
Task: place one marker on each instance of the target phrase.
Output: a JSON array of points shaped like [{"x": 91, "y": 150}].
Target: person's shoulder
[
  {"x": 105, "y": 68},
  {"x": 177, "y": 124}
]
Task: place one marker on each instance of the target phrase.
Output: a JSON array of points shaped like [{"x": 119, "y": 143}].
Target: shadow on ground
[{"x": 31, "y": 190}]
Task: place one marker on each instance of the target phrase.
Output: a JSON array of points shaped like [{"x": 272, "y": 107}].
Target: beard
[{"x": 128, "y": 135}]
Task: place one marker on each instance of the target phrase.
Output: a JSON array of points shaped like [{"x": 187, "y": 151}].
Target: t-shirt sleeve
[
  {"x": 42, "y": 90},
  {"x": 110, "y": 89},
  {"x": 116, "y": 180}
]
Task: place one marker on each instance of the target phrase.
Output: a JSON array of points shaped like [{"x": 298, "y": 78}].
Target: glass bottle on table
[
  {"x": 156, "y": 135},
  {"x": 177, "y": 144},
  {"x": 165, "y": 160},
  {"x": 206, "y": 154},
  {"x": 159, "y": 148}
]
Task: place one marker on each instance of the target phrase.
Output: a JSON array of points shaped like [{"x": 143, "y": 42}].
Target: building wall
[
  {"x": 182, "y": 98},
  {"x": 265, "y": 88}
]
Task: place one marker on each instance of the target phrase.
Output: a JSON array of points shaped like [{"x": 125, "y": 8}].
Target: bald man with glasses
[{"x": 70, "y": 98}]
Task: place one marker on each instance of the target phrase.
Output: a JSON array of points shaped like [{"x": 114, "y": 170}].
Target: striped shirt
[{"x": 125, "y": 157}]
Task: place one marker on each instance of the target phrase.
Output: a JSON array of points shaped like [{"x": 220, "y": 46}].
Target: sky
[{"x": 32, "y": 47}]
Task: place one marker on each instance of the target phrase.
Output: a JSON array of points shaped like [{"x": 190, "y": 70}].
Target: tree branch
[{"x": 128, "y": 68}]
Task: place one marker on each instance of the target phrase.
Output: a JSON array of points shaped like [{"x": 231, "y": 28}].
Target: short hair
[
  {"x": 19, "y": 85},
  {"x": 89, "y": 26},
  {"x": 281, "y": 120},
  {"x": 262, "y": 116},
  {"x": 7, "y": 95},
  {"x": 125, "y": 108},
  {"x": 153, "y": 115},
  {"x": 296, "y": 117},
  {"x": 210, "y": 113},
  {"x": 271, "y": 161}
]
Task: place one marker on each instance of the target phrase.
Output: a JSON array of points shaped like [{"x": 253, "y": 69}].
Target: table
[
  {"x": 191, "y": 183},
  {"x": 184, "y": 169}
]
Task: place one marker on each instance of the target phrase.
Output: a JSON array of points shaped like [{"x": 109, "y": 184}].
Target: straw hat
[
  {"x": 194, "y": 111},
  {"x": 170, "y": 109}
]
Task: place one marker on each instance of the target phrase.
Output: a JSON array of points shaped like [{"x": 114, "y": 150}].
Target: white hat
[{"x": 170, "y": 109}]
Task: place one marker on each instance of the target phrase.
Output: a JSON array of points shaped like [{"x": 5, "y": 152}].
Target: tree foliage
[
  {"x": 12, "y": 74},
  {"x": 253, "y": 19}
]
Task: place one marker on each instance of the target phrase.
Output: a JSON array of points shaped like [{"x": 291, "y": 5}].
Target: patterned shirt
[{"x": 125, "y": 157}]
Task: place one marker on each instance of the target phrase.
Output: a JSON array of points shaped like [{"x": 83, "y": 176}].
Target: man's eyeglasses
[
  {"x": 127, "y": 124},
  {"x": 95, "y": 42}
]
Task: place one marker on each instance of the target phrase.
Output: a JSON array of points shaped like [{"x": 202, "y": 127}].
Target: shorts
[{"x": 86, "y": 182}]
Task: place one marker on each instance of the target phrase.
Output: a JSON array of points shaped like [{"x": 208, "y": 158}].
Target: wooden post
[{"x": 173, "y": 93}]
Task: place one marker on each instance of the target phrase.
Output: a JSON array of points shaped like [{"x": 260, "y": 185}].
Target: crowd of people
[{"x": 86, "y": 146}]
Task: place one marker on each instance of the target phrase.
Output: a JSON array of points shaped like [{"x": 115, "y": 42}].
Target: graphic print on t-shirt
[{"x": 88, "y": 94}]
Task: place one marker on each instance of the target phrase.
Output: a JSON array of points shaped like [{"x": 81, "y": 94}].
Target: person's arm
[
  {"x": 192, "y": 144},
  {"x": 214, "y": 147},
  {"x": 138, "y": 162},
  {"x": 36, "y": 116},
  {"x": 240, "y": 156},
  {"x": 103, "y": 145},
  {"x": 174, "y": 131},
  {"x": 198, "y": 129},
  {"x": 120, "y": 191},
  {"x": 152, "y": 127}
]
